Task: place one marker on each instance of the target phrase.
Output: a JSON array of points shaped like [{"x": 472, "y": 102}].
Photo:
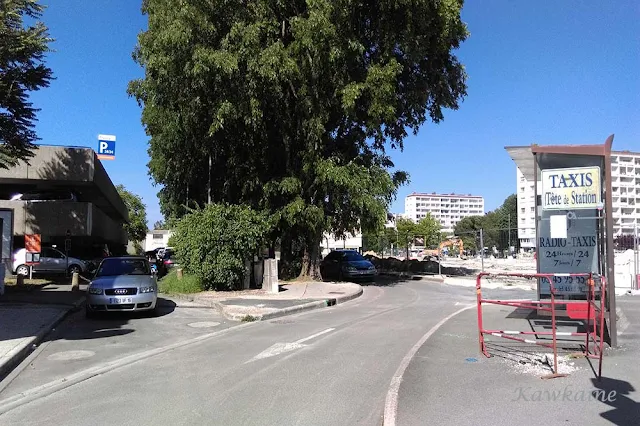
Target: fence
[{"x": 591, "y": 313}]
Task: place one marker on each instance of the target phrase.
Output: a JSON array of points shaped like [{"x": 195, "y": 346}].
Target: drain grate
[{"x": 336, "y": 292}]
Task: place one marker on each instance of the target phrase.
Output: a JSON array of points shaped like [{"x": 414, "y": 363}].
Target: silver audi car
[{"x": 122, "y": 284}]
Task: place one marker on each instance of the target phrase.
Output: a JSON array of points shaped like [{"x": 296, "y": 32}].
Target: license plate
[{"x": 119, "y": 300}]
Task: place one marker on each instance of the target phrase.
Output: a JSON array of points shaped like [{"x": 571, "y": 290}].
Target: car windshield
[
  {"x": 114, "y": 267},
  {"x": 352, "y": 256}
]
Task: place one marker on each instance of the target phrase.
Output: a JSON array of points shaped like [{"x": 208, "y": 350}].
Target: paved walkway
[
  {"x": 450, "y": 381},
  {"x": 27, "y": 315},
  {"x": 252, "y": 305}
]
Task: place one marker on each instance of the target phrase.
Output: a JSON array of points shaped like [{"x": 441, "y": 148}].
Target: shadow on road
[
  {"x": 108, "y": 324},
  {"x": 625, "y": 410}
]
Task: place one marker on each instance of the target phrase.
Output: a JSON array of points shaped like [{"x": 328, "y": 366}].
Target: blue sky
[{"x": 542, "y": 72}]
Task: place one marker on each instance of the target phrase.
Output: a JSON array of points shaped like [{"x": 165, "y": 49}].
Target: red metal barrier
[{"x": 575, "y": 310}]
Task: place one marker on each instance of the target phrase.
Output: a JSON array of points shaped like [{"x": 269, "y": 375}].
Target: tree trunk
[{"x": 311, "y": 261}]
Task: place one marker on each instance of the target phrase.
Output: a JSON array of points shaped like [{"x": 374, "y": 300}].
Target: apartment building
[
  {"x": 449, "y": 209},
  {"x": 625, "y": 190}
]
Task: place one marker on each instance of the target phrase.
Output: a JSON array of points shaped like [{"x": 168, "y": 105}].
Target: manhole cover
[
  {"x": 203, "y": 324},
  {"x": 336, "y": 292},
  {"x": 70, "y": 355}
]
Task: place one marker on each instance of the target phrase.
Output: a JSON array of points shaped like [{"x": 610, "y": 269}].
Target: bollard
[
  {"x": 75, "y": 282},
  {"x": 20, "y": 280},
  {"x": 179, "y": 273}
]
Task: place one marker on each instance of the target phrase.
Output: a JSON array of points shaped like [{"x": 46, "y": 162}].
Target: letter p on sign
[{"x": 106, "y": 147}]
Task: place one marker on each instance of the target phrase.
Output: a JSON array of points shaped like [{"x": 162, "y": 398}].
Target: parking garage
[{"x": 63, "y": 193}]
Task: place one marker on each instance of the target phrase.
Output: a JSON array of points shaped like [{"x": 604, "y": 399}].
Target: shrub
[
  {"x": 213, "y": 243},
  {"x": 171, "y": 284}
]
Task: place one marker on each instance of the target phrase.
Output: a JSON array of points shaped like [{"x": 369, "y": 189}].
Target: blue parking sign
[{"x": 106, "y": 147}]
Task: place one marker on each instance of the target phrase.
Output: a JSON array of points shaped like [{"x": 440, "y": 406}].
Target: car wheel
[
  {"x": 74, "y": 269},
  {"x": 22, "y": 270}
]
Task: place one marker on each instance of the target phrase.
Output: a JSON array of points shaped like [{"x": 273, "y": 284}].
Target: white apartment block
[
  {"x": 625, "y": 191},
  {"x": 449, "y": 209}
]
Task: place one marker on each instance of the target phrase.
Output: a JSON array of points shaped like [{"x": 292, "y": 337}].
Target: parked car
[
  {"x": 347, "y": 265},
  {"x": 169, "y": 258},
  {"x": 122, "y": 284},
  {"x": 52, "y": 261}
]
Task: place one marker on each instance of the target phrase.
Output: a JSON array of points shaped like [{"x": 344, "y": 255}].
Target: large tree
[
  {"x": 291, "y": 106},
  {"x": 22, "y": 70},
  {"x": 136, "y": 227}
]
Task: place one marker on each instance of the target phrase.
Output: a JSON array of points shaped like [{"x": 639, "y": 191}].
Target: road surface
[{"x": 326, "y": 367}]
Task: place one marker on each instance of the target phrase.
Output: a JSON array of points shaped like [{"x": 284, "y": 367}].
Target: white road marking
[
  {"x": 280, "y": 348},
  {"x": 277, "y": 349},
  {"x": 313, "y": 336},
  {"x": 391, "y": 402}
]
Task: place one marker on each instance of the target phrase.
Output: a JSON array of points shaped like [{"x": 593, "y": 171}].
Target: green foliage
[
  {"x": 290, "y": 107},
  {"x": 468, "y": 230},
  {"x": 496, "y": 226},
  {"x": 429, "y": 228},
  {"x": 213, "y": 243},
  {"x": 406, "y": 232},
  {"x": 170, "y": 284},
  {"x": 22, "y": 69},
  {"x": 136, "y": 227}
]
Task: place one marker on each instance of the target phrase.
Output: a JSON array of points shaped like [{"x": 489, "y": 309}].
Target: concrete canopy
[{"x": 523, "y": 157}]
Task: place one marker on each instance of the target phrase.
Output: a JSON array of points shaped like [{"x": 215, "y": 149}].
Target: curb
[
  {"x": 20, "y": 354},
  {"x": 414, "y": 277},
  {"x": 275, "y": 314}
]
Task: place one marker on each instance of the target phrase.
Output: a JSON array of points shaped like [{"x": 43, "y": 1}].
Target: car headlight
[
  {"x": 350, "y": 268},
  {"x": 95, "y": 290},
  {"x": 147, "y": 289},
  {"x": 372, "y": 267}
]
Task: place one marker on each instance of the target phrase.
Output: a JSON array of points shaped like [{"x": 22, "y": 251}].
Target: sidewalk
[
  {"x": 451, "y": 382},
  {"x": 255, "y": 305},
  {"x": 27, "y": 315}
]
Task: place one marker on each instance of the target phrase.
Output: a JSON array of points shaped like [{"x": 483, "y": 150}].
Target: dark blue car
[{"x": 347, "y": 265}]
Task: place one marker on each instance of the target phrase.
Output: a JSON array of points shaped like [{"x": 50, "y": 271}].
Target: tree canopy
[
  {"x": 22, "y": 70},
  {"x": 137, "y": 226},
  {"x": 290, "y": 107}
]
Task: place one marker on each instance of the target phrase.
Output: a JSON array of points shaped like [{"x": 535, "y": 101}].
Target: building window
[{"x": 157, "y": 236}]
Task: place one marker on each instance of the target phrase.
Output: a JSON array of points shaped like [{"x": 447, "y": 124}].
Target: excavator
[
  {"x": 448, "y": 243},
  {"x": 452, "y": 243}
]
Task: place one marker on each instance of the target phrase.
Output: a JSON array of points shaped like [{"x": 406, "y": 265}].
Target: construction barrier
[{"x": 591, "y": 311}]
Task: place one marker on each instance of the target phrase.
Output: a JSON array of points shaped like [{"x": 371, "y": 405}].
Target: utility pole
[
  {"x": 482, "y": 249},
  {"x": 635, "y": 260},
  {"x": 509, "y": 231}
]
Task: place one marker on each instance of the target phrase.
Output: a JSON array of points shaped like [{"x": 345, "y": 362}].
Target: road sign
[
  {"x": 32, "y": 242},
  {"x": 106, "y": 147},
  {"x": 571, "y": 188}
]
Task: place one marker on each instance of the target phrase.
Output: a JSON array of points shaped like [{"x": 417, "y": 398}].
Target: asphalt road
[{"x": 325, "y": 367}]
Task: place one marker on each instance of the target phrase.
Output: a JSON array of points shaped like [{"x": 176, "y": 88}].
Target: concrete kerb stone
[
  {"x": 20, "y": 353},
  {"x": 226, "y": 310},
  {"x": 413, "y": 277}
]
